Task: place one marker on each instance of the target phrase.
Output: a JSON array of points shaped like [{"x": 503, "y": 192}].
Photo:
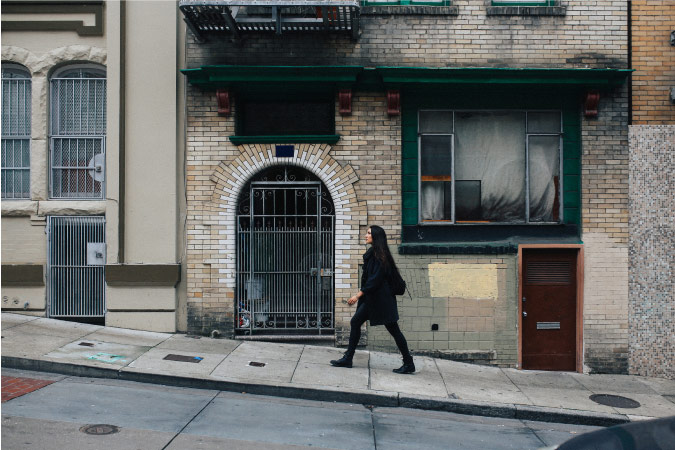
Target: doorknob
[{"x": 524, "y": 314}]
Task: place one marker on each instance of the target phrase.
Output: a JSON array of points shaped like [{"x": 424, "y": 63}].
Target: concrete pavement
[{"x": 304, "y": 372}]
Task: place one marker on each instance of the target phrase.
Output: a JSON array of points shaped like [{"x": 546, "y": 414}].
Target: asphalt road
[{"x": 160, "y": 417}]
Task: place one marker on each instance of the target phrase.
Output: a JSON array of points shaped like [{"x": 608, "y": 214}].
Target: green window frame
[{"x": 492, "y": 99}]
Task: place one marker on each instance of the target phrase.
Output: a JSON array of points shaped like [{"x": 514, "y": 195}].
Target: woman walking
[{"x": 376, "y": 302}]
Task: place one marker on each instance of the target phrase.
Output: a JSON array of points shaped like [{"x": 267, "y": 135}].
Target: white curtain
[{"x": 490, "y": 148}]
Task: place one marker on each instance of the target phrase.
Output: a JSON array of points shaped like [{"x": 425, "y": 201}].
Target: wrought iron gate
[
  {"x": 285, "y": 257},
  {"x": 75, "y": 266}
]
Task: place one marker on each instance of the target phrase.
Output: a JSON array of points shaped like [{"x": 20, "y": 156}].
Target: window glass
[
  {"x": 436, "y": 177},
  {"x": 490, "y": 154},
  {"x": 16, "y": 131},
  {"x": 544, "y": 177},
  {"x": 436, "y": 121},
  {"x": 77, "y": 133},
  {"x": 543, "y": 122},
  {"x": 284, "y": 118}
]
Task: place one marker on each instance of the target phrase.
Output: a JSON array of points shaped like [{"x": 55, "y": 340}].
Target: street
[{"x": 160, "y": 417}]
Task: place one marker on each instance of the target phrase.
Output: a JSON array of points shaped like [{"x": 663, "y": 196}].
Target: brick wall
[
  {"x": 652, "y": 240},
  {"x": 653, "y": 59},
  {"x": 590, "y": 34}
]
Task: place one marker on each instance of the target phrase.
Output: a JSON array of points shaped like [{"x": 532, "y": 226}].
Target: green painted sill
[{"x": 295, "y": 139}]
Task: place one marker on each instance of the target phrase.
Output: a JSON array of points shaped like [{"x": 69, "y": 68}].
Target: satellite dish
[{"x": 97, "y": 167}]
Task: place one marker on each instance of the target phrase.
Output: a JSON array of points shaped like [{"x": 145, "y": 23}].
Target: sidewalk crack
[{"x": 191, "y": 420}]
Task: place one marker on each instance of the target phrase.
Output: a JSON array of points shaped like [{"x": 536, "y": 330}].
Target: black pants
[{"x": 360, "y": 317}]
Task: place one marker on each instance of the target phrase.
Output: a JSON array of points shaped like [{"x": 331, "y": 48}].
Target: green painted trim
[
  {"x": 142, "y": 274},
  {"x": 23, "y": 275},
  {"x": 494, "y": 98},
  {"x": 45, "y": 7},
  {"x": 245, "y": 76},
  {"x": 298, "y": 139},
  {"x": 597, "y": 78}
]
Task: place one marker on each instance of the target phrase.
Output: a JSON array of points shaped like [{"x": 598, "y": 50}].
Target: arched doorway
[{"x": 285, "y": 255}]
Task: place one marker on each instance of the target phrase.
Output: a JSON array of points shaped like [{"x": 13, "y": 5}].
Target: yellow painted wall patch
[{"x": 477, "y": 281}]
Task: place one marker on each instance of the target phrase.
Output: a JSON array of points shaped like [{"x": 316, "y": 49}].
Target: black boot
[
  {"x": 407, "y": 367},
  {"x": 345, "y": 361}
]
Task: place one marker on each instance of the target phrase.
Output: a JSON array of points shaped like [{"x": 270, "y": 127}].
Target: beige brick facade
[{"x": 584, "y": 35}]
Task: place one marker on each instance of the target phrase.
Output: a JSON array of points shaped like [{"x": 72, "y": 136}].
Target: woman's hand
[{"x": 355, "y": 298}]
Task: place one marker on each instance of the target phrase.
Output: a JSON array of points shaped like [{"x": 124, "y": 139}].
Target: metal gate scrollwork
[{"x": 285, "y": 255}]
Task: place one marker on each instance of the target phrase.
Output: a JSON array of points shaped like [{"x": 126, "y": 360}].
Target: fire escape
[{"x": 238, "y": 17}]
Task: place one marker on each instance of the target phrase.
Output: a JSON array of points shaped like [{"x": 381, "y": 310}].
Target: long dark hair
[{"x": 381, "y": 250}]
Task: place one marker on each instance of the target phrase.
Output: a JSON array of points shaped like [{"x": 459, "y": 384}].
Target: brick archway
[{"x": 211, "y": 281}]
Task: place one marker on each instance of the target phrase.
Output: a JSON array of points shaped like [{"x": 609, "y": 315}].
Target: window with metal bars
[
  {"x": 16, "y": 130},
  {"x": 77, "y": 127}
]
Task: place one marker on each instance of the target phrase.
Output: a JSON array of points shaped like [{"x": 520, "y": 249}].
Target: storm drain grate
[
  {"x": 184, "y": 358},
  {"x": 100, "y": 429},
  {"x": 256, "y": 364},
  {"x": 616, "y": 401}
]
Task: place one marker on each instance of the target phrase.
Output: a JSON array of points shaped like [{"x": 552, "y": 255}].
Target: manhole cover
[
  {"x": 100, "y": 429},
  {"x": 616, "y": 401}
]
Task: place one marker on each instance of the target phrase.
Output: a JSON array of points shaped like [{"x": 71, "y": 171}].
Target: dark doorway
[{"x": 549, "y": 303}]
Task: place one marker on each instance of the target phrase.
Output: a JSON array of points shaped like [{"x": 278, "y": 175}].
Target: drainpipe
[
  {"x": 122, "y": 132},
  {"x": 630, "y": 64}
]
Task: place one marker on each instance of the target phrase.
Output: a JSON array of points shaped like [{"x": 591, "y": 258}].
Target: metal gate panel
[
  {"x": 75, "y": 266},
  {"x": 285, "y": 257}
]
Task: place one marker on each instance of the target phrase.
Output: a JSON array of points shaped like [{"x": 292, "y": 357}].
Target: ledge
[
  {"x": 526, "y": 11},
  {"x": 23, "y": 275},
  {"x": 396, "y": 10},
  {"x": 297, "y": 139},
  {"x": 142, "y": 274},
  {"x": 457, "y": 249}
]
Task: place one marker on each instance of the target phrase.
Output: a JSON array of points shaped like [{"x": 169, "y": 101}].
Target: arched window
[
  {"x": 16, "y": 123},
  {"x": 77, "y": 129}
]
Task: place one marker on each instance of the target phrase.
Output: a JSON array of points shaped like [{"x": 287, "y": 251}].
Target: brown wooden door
[{"x": 549, "y": 309}]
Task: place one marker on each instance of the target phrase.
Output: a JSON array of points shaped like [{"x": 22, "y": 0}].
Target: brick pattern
[
  {"x": 653, "y": 59},
  {"x": 464, "y": 324},
  {"x": 652, "y": 240},
  {"x": 591, "y": 34},
  {"x": 13, "y": 387}
]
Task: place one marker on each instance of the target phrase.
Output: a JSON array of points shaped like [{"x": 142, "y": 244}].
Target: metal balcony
[{"x": 238, "y": 17}]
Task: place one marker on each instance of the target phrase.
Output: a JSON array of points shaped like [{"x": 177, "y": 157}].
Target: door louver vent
[{"x": 548, "y": 272}]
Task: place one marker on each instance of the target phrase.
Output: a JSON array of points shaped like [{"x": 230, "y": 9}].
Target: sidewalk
[{"x": 303, "y": 371}]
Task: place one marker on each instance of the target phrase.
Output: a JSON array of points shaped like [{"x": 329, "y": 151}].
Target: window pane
[
  {"x": 436, "y": 177},
  {"x": 284, "y": 118},
  {"x": 544, "y": 168},
  {"x": 543, "y": 122},
  {"x": 490, "y": 166},
  {"x": 435, "y": 121}
]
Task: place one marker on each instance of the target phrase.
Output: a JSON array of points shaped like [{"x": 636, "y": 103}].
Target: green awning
[
  {"x": 590, "y": 78},
  {"x": 223, "y": 77},
  {"x": 383, "y": 78}
]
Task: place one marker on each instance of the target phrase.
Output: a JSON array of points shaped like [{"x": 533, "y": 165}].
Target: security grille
[
  {"x": 16, "y": 129},
  {"x": 77, "y": 138},
  {"x": 76, "y": 259},
  {"x": 285, "y": 257}
]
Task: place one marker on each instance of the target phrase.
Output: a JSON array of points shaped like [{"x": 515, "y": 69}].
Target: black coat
[{"x": 378, "y": 298}]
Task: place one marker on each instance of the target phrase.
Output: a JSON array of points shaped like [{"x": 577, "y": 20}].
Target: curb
[{"x": 381, "y": 399}]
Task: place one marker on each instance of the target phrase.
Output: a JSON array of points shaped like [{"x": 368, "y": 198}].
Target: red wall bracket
[
  {"x": 394, "y": 103},
  {"x": 223, "y": 97},
  {"x": 345, "y": 97},
  {"x": 591, "y": 104}
]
